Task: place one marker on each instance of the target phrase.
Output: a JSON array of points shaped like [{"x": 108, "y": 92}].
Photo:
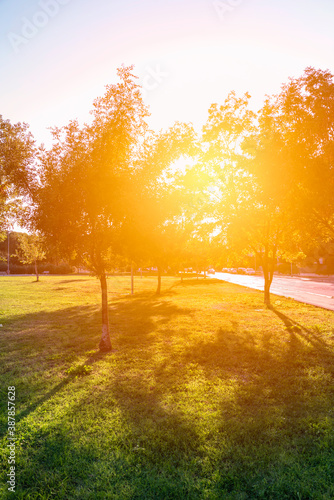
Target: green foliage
[
  {"x": 16, "y": 155},
  {"x": 79, "y": 371},
  {"x": 30, "y": 248},
  {"x": 61, "y": 268},
  {"x": 155, "y": 230},
  {"x": 299, "y": 122},
  {"x": 80, "y": 199},
  {"x": 80, "y": 203},
  {"x": 274, "y": 173}
]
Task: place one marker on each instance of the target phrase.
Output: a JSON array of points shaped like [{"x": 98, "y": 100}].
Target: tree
[
  {"x": 16, "y": 155},
  {"x": 290, "y": 159},
  {"x": 156, "y": 232},
  {"x": 267, "y": 233},
  {"x": 303, "y": 115},
  {"x": 81, "y": 201},
  {"x": 253, "y": 206},
  {"x": 30, "y": 250},
  {"x": 267, "y": 217}
]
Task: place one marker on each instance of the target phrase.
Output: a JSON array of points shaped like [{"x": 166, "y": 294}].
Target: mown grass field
[{"x": 206, "y": 395}]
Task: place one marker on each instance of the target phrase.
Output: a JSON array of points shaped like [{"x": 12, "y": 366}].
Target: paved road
[{"x": 315, "y": 291}]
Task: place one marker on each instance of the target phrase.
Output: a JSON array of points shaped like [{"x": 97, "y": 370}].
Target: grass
[{"x": 206, "y": 395}]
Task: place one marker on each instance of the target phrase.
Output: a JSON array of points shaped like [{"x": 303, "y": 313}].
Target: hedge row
[{"x": 62, "y": 268}]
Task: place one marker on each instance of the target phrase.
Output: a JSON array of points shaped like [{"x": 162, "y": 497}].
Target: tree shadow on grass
[
  {"x": 55, "y": 328},
  {"x": 136, "y": 321},
  {"x": 78, "y": 281},
  {"x": 93, "y": 358},
  {"x": 261, "y": 398},
  {"x": 139, "y": 451},
  {"x": 259, "y": 394},
  {"x": 157, "y": 440},
  {"x": 69, "y": 333},
  {"x": 197, "y": 282},
  {"x": 296, "y": 328},
  {"x": 276, "y": 370}
]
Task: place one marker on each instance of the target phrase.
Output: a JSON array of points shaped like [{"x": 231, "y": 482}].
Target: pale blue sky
[{"x": 56, "y": 59}]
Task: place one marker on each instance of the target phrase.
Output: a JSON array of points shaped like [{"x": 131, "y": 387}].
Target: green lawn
[{"x": 206, "y": 395}]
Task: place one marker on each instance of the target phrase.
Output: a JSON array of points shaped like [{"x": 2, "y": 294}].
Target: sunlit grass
[{"x": 207, "y": 394}]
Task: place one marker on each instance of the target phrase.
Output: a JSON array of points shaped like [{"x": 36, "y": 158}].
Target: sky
[{"x": 58, "y": 55}]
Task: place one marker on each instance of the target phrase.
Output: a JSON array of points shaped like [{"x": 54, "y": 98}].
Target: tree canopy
[
  {"x": 80, "y": 199},
  {"x": 16, "y": 157}
]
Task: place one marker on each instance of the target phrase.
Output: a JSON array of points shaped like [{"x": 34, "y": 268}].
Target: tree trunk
[
  {"x": 267, "y": 282},
  {"x": 159, "y": 282},
  {"x": 268, "y": 266},
  {"x": 105, "y": 343},
  {"x": 36, "y": 271},
  {"x": 132, "y": 281},
  {"x": 271, "y": 271},
  {"x": 266, "y": 291}
]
